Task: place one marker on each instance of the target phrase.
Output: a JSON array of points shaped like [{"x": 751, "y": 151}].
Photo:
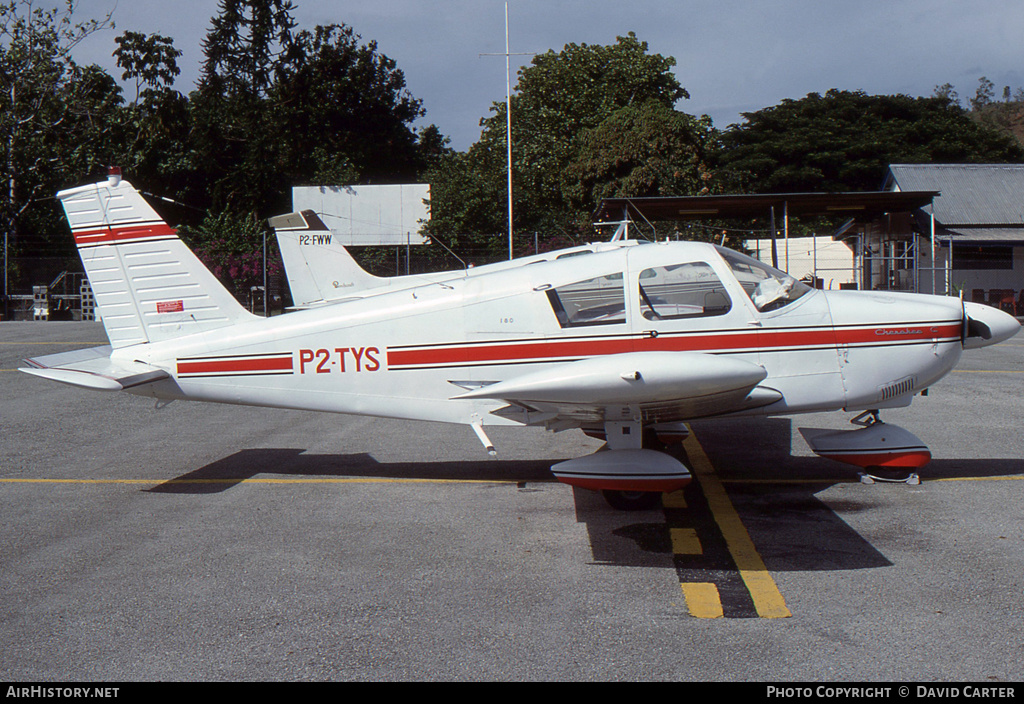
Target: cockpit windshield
[{"x": 768, "y": 288}]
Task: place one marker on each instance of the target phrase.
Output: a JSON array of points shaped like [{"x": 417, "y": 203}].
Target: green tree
[
  {"x": 151, "y": 61},
  {"x": 153, "y": 127},
  {"x": 640, "y": 151},
  {"x": 570, "y": 113},
  {"x": 844, "y": 141},
  {"x": 54, "y": 118},
  {"x": 347, "y": 113},
  {"x": 947, "y": 91},
  {"x": 984, "y": 95},
  {"x": 277, "y": 107},
  {"x": 225, "y": 241},
  {"x": 1005, "y": 117},
  {"x": 235, "y": 127},
  {"x": 468, "y": 206}
]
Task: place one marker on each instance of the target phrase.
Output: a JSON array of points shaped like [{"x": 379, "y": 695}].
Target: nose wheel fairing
[{"x": 876, "y": 445}]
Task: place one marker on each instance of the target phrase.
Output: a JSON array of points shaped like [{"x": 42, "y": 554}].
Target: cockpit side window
[
  {"x": 768, "y": 288},
  {"x": 597, "y": 301},
  {"x": 691, "y": 290}
]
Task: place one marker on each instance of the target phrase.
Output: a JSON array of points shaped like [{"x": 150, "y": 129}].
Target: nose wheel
[
  {"x": 877, "y": 473},
  {"x": 632, "y": 500}
]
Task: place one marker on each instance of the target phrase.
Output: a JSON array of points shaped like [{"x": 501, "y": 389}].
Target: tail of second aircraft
[
  {"x": 147, "y": 284},
  {"x": 318, "y": 267}
]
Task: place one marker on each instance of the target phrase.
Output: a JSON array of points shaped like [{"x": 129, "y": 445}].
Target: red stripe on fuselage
[
  {"x": 236, "y": 366},
  {"x": 516, "y": 351},
  {"x": 719, "y": 341}
]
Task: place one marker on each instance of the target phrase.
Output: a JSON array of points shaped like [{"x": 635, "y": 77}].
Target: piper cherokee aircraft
[{"x": 626, "y": 342}]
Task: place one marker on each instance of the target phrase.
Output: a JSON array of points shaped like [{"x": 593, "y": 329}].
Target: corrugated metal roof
[
  {"x": 861, "y": 205},
  {"x": 970, "y": 194},
  {"x": 985, "y": 235}
]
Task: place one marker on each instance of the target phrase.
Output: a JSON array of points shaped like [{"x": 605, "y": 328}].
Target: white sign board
[{"x": 368, "y": 215}]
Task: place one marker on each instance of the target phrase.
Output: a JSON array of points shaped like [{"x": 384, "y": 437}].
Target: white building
[{"x": 978, "y": 232}]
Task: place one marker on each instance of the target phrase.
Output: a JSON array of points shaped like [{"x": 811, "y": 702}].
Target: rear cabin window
[
  {"x": 597, "y": 301},
  {"x": 691, "y": 290}
]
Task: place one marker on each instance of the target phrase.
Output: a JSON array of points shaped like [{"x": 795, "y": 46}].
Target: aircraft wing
[
  {"x": 93, "y": 368},
  {"x": 663, "y": 386}
]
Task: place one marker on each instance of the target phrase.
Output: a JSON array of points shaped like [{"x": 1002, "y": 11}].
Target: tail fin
[
  {"x": 318, "y": 267},
  {"x": 148, "y": 285}
]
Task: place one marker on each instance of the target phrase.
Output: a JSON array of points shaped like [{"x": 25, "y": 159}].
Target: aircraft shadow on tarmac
[
  {"x": 294, "y": 463},
  {"x": 773, "y": 491},
  {"x": 791, "y": 528},
  {"x": 758, "y": 449}
]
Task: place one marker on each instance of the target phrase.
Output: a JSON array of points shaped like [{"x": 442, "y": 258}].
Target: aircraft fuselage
[{"x": 407, "y": 353}]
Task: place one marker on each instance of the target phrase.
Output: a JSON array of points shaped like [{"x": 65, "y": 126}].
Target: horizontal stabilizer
[{"x": 93, "y": 369}]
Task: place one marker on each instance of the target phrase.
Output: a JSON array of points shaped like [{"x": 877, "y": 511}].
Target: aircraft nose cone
[{"x": 987, "y": 325}]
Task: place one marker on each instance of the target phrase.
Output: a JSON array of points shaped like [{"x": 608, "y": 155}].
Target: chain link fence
[{"x": 53, "y": 288}]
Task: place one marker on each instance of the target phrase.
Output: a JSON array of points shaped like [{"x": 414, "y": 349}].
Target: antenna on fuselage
[{"x": 621, "y": 229}]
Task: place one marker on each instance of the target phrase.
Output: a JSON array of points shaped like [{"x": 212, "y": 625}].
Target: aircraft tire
[{"x": 632, "y": 500}]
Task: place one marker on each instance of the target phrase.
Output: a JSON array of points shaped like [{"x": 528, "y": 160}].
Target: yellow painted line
[
  {"x": 685, "y": 542},
  {"x": 254, "y": 480},
  {"x": 988, "y": 371},
  {"x": 1015, "y": 477},
  {"x": 765, "y": 593},
  {"x": 702, "y": 599},
  {"x": 673, "y": 500},
  {"x": 790, "y": 481},
  {"x": 57, "y": 344}
]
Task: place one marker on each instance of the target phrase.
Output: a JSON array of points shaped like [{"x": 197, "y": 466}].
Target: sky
[{"x": 731, "y": 56}]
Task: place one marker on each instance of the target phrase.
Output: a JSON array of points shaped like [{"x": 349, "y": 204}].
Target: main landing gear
[{"x": 631, "y": 472}]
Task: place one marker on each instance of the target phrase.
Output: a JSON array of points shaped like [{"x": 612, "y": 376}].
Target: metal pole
[
  {"x": 508, "y": 128},
  {"x": 933, "y": 246},
  {"x": 265, "y": 313},
  {"x": 508, "y": 122},
  {"x": 949, "y": 265},
  {"x": 814, "y": 243},
  {"x": 785, "y": 220}
]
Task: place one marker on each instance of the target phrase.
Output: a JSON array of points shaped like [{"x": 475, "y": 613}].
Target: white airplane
[{"x": 626, "y": 342}]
